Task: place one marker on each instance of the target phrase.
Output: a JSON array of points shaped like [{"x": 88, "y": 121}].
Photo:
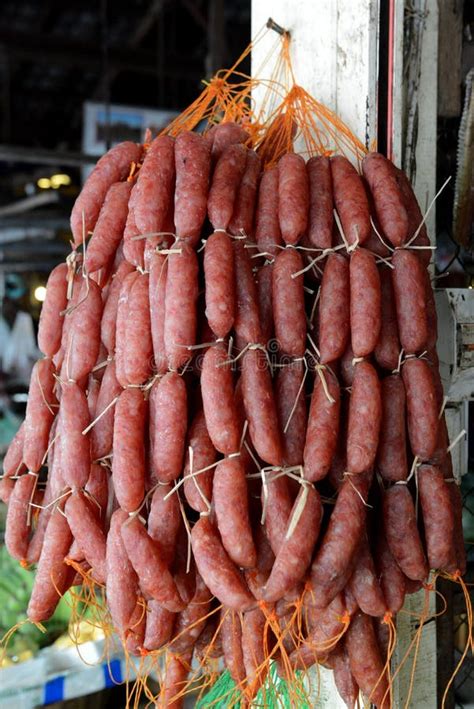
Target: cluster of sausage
[{"x": 238, "y": 396}]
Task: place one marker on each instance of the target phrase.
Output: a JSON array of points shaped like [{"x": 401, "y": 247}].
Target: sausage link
[
  {"x": 109, "y": 321},
  {"x": 265, "y": 302},
  {"x": 402, "y": 534},
  {"x": 75, "y": 446},
  {"x": 366, "y": 308},
  {"x": 260, "y": 407},
  {"x": 220, "y": 283},
  {"x": 223, "y": 135},
  {"x": 128, "y": 462},
  {"x": 154, "y": 576},
  {"x": 347, "y": 687},
  {"x": 247, "y": 322},
  {"x": 334, "y": 322},
  {"x": 279, "y": 506},
  {"x": 173, "y": 689},
  {"x": 138, "y": 346},
  {"x": 193, "y": 164},
  {"x": 121, "y": 579},
  {"x": 323, "y": 427},
  {"x": 19, "y": 515},
  {"x": 415, "y": 218},
  {"x": 321, "y": 204},
  {"x": 159, "y": 626},
  {"x": 381, "y": 176},
  {"x": 231, "y": 634},
  {"x": 422, "y": 408},
  {"x": 267, "y": 225},
  {"x": 156, "y": 294},
  {"x": 87, "y": 532},
  {"x": 293, "y": 197},
  {"x": 410, "y": 300},
  {"x": 350, "y": 200},
  {"x": 102, "y": 433},
  {"x": 438, "y": 518},
  {"x": 219, "y": 573},
  {"x": 218, "y": 401},
  {"x": 392, "y": 451},
  {"x": 170, "y": 422},
  {"x": 52, "y": 574},
  {"x": 229, "y": 494},
  {"x": 292, "y": 414},
  {"x": 364, "y": 583},
  {"x": 294, "y": 555},
  {"x": 109, "y": 228},
  {"x": 191, "y": 621},
  {"x": 164, "y": 522},
  {"x": 367, "y": 666},
  {"x": 365, "y": 411},
  {"x": 254, "y": 644},
  {"x": 112, "y": 167},
  {"x": 40, "y": 413},
  {"x": 51, "y": 318},
  {"x": 387, "y": 349},
  {"x": 84, "y": 335},
  {"x": 288, "y": 303},
  {"x": 198, "y": 489},
  {"x": 180, "y": 305},
  {"x": 225, "y": 183},
  {"x": 244, "y": 205},
  {"x": 133, "y": 248}
]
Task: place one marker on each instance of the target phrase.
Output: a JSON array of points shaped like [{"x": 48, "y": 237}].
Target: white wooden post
[{"x": 334, "y": 50}]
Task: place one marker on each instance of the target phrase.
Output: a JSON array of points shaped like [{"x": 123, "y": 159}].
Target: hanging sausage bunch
[{"x": 239, "y": 397}]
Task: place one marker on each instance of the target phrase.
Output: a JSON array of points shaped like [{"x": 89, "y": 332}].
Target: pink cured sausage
[
  {"x": 265, "y": 303},
  {"x": 334, "y": 323},
  {"x": 164, "y": 522},
  {"x": 169, "y": 401},
  {"x": 84, "y": 334},
  {"x": 230, "y": 498},
  {"x": 112, "y": 167},
  {"x": 191, "y": 621},
  {"x": 219, "y": 573},
  {"x": 73, "y": 291},
  {"x": 40, "y": 413},
  {"x": 279, "y": 507},
  {"x": 51, "y": 319},
  {"x": 231, "y": 633},
  {"x": 13, "y": 459},
  {"x": 381, "y": 176},
  {"x": 174, "y": 687},
  {"x": 410, "y": 300},
  {"x": 364, "y": 584},
  {"x": 138, "y": 346},
  {"x": 157, "y": 293},
  {"x": 366, "y": 303},
  {"x": 438, "y": 518},
  {"x": 293, "y": 197},
  {"x": 121, "y": 326},
  {"x": 431, "y": 313},
  {"x": 290, "y": 398},
  {"x": 294, "y": 555},
  {"x": 88, "y": 533},
  {"x": 102, "y": 433},
  {"x": 93, "y": 386},
  {"x": 336, "y": 555},
  {"x": 224, "y": 135},
  {"x": 133, "y": 248},
  {"x": 183, "y": 572},
  {"x": 109, "y": 228},
  {"x": 75, "y": 447},
  {"x": 198, "y": 489},
  {"x": 415, "y": 218},
  {"x": 244, "y": 205},
  {"x": 220, "y": 283},
  {"x": 365, "y": 411},
  {"x": 36, "y": 543},
  {"x": 321, "y": 203},
  {"x": 122, "y": 581},
  {"x": 128, "y": 463},
  {"x": 387, "y": 349},
  {"x": 218, "y": 401},
  {"x": 391, "y": 577},
  {"x": 458, "y": 536},
  {"x": 109, "y": 313},
  {"x": 346, "y": 685},
  {"x": 325, "y": 625},
  {"x": 323, "y": 427},
  {"x": 422, "y": 407},
  {"x": 153, "y": 574},
  {"x": 225, "y": 183},
  {"x": 52, "y": 574},
  {"x": 402, "y": 533},
  {"x": 98, "y": 489},
  {"x": 135, "y": 634},
  {"x": 288, "y": 303},
  {"x": 247, "y": 322},
  {"x": 154, "y": 190},
  {"x": 392, "y": 450},
  {"x": 193, "y": 164},
  {"x": 19, "y": 515},
  {"x": 260, "y": 407},
  {"x": 255, "y": 641},
  {"x": 180, "y": 305},
  {"x": 267, "y": 225},
  {"x": 350, "y": 200},
  {"x": 159, "y": 626},
  {"x": 367, "y": 666}
]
